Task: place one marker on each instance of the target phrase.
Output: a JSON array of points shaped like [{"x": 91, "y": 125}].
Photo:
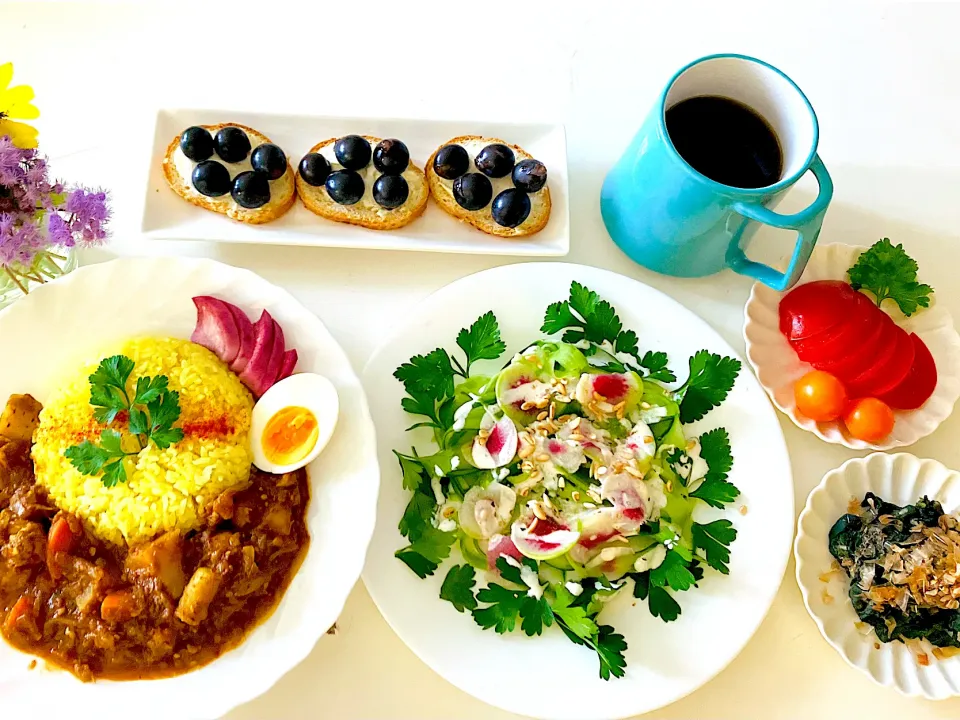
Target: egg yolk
[{"x": 290, "y": 435}]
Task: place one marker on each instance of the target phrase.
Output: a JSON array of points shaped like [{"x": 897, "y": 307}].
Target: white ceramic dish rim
[{"x": 414, "y": 643}]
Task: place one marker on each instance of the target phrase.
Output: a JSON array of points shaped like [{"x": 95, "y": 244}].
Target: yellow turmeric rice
[{"x": 165, "y": 489}]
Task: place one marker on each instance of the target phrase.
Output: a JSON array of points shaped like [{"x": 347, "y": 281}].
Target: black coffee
[{"x": 726, "y": 141}]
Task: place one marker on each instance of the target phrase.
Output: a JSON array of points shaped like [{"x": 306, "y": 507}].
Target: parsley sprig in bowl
[{"x": 565, "y": 478}]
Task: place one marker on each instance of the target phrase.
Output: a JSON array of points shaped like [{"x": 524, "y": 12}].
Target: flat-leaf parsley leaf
[
  {"x": 889, "y": 273},
  {"x": 150, "y": 416},
  {"x": 716, "y": 490},
  {"x": 711, "y": 378},
  {"x": 715, "y": 539},
  {"x": 457, "y": 587}
]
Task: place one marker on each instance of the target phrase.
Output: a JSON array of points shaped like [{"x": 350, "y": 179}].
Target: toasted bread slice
[
  {"x": 282, "y": 190},
  {"x": 442, "y": 192},
  {"x": 366, "y": 213}
]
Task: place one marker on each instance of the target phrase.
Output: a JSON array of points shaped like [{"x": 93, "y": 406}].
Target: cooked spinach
[{"x": 857, "y": 541}]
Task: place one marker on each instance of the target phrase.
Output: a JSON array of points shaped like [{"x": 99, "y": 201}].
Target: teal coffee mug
[{"x": 726, "y": 139}]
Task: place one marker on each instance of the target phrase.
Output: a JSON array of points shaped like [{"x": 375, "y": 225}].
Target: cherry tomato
[
  {"x": 869, "y": 419},
  {"x": 820, "y": 396}
]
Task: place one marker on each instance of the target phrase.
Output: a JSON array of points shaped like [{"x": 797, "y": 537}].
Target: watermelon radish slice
[
  {"x": 499, "y": 448},
  {"x": 888, "y": 371},
  {"x": 216, "y": 328},
  {"x": 918, "y": 385},
  {"x": 486, "y": 511},
  {"x": 501, "y": 546},
  {"x": 543, "y": 539},
  {"x": 815, "y": 307}
]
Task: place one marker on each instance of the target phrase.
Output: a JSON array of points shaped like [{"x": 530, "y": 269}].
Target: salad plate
[
  {"x": 901, "y": 479},
  {"x": 63, "y": 323},
  {"x": 778, "y": 367},
  {"x": 167, "y": 216},
  {"x": 534, "y": 587}
]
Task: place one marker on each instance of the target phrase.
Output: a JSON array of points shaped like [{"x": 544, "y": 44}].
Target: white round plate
[
  {"x": 902, "y": 479},
  {"x": 548, "y": 676},
  {"x": 778, "y": 367},
  {"x": 67, "y": 322}
]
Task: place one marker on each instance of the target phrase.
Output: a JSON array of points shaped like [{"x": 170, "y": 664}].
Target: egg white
[{"x": 313, "y": 392}]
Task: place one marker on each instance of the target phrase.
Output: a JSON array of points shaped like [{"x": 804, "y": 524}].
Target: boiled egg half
[{"x": 292, "y": 422}]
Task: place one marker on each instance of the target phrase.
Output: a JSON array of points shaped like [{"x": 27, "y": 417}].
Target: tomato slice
[
  {"x": 888, "y": 371},
  {"x": 843, "y": 338},
  {"x": 918, "y": 385},
  {"x": 815, "y": 307},
  {"x": 859, "y": 355}
]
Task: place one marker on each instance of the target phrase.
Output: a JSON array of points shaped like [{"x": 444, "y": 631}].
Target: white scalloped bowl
[
  {"x": 902, "y": 479},
  {"x": 777, "y": 366}
]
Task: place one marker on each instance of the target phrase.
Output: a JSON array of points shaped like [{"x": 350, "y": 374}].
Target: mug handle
[{"x": 807, "y": 223}]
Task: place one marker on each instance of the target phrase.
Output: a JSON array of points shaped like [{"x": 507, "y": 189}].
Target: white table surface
[{"x": 883, "y": 79}]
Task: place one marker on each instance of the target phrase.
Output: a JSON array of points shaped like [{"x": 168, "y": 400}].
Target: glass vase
[{"x": 16, "y": 281}]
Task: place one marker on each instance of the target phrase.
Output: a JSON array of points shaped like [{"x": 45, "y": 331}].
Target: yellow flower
[{"x": 15, "y": 103}]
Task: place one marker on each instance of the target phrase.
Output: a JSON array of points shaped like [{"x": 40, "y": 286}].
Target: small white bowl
[
  {"x": 902, "y": 479},
  {"x": 777, "y": 366}
]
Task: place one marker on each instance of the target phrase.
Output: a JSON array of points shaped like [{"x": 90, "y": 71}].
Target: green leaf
[
  {"x": 641, "y": 585},
  {"x": 107, "y": 401},
  {"x": 429, "y": 375},
  {"x": 430, "y": 549},
  {"x": 482, "y": 340},
  {"x": 420, "y": 405},
  {"x": 114, "y": 474},
  {"x": 711, "y": 378},
  {"x": 575, "y": 618},
  {"x": 672, "y": 572},
  {"x": 457, "y": 587},
  {"x": 890, "y": 274},
  {"x": 662, "y": 605},
  {"x": 164, "y": 410},
  {"x": 558, "y": 317},
  {"x": 414, "y": 475},
  {"x": 655, "y": 363},
  {"x": 165, "y": 438},
  {"x": 600, "y": 319},
  {"x": 715, "y": 539},
  {"x": 416, "y": 518},
  {"x": 87, "y": 458},
  {"x": 139, "y": 424},
  {"x": 502, "y": 612},
  {"x": 610, "y": 647},
  {"x": 716, "y": 490},
  {"x": 113, "y": 371},
  {"x": 627, "y": 342},
  {"x": 149, "y": 388},
  {"x": 535, "y": 614},
  {"x": 417, "y": 562},
  {"x": 110, "y": 442}
]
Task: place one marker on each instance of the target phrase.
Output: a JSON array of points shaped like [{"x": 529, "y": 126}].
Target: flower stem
[{"x": 15, "y": 279}]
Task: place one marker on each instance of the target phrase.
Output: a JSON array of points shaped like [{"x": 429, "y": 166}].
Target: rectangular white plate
[{"x": 166, "y": 215}]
